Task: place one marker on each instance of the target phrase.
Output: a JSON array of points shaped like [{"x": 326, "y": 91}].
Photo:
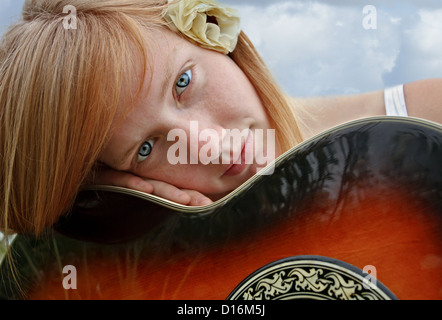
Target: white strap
[{"x": 395, "y": 101}]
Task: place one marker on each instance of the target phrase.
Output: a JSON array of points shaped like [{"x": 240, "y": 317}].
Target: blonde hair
[
  {"x": 59, "y": 94},
  {"x": 277, "y": 104}
]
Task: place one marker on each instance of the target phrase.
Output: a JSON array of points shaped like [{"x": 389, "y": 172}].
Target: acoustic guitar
[{"x": 353, "y": 213}]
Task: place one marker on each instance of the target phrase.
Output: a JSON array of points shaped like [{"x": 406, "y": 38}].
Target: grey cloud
[
  {"x": 10, "y": 11},
  {"x": 351, "y": 3},
  {"x": 318, "y": 49}
]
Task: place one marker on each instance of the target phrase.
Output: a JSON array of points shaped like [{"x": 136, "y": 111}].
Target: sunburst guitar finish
[{"x": 354, "y": 213}]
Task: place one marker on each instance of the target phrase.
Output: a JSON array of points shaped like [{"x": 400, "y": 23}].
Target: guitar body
[{"x": 362, "y": 201}]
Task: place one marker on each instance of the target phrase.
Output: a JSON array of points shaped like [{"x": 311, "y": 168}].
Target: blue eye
[
  {"x": 145, "y": 150},
  {"x": 183, "y": 82}
]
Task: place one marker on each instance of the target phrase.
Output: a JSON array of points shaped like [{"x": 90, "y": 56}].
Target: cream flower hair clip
[{"x": 208, "y": 23}]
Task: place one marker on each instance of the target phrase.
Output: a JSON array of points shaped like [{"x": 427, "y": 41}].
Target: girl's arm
[{"x": 423, "y": 99}]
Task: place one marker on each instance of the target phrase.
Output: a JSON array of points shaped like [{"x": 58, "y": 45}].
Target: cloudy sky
[{"x": 335, "y": 47}]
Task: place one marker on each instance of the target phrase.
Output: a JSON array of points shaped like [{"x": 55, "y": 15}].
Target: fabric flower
[{"x": 210, "y": 24}]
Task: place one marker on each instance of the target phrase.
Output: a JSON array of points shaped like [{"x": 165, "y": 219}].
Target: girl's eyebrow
[{"x": 167, "y": 75}]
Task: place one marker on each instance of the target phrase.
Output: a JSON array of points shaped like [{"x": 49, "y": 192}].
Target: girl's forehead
[
  {"x": 160, "y": 42},
  {"x": 153, "y": 72},
  {"x": 162, "y": 49},
  {"x": 164, "y": 52}
]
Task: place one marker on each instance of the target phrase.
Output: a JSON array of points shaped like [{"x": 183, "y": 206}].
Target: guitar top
[{"x": 354, "y": 213}]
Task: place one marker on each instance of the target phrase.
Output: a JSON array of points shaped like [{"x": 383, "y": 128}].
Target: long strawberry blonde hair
[{"x": 59, "y": 94}]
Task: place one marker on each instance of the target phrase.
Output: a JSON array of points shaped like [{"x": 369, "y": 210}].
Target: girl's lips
[{"x": 239, "y": 165}]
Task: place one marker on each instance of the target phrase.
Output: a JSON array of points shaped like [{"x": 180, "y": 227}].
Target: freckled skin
[{"x": 219, "y": 96}]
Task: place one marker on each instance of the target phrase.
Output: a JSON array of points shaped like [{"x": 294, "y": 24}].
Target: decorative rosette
[{"x": 208, "y": 23}]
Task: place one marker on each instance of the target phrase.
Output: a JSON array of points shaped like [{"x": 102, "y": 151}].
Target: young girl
[{"x": 95, "y": 101}]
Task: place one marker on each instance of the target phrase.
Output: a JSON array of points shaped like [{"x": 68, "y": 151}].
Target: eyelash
[
  {"x": 179, "y": 89},
  {"x": 150, "y": 144}
]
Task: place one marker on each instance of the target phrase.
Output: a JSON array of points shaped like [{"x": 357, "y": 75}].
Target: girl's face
[{"x": 198, "y": 114}]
